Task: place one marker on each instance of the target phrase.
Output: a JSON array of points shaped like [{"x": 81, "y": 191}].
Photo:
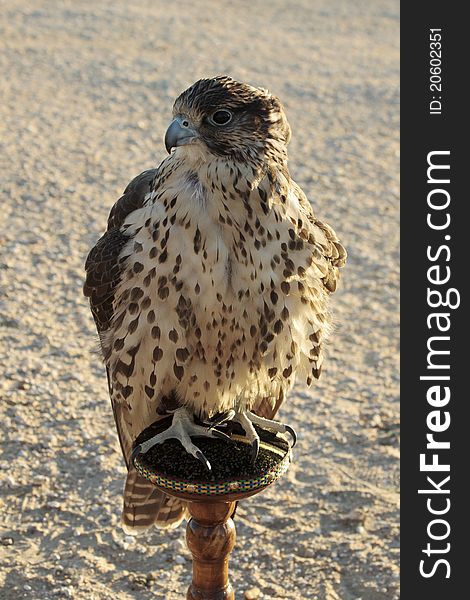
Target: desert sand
[{"x": 87, "y": 90}]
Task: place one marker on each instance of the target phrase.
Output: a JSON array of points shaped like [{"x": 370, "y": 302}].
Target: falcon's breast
[{"x": 221, "y": 300}]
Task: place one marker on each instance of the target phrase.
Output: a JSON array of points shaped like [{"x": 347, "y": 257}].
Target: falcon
[{"x": 210, "y": 287}]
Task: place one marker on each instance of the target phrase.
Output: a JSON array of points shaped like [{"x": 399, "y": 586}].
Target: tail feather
[{"x": 145, "y": 505}]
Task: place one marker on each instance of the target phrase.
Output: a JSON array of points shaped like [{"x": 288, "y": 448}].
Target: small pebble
[
  {"x": 252, "y": 594},
  {"x": 130, "y": 539},
  {"x": 376, "y": 421},
  {"x": 7, "y": 541}
]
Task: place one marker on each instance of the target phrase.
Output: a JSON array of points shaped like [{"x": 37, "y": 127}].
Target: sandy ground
[{"x": 87, "y": 89}]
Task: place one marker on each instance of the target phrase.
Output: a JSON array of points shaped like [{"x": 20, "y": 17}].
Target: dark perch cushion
[{"x": 229, "y": 460}]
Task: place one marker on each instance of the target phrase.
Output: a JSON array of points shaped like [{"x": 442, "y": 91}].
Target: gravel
[{"x": 87, "y": 90}]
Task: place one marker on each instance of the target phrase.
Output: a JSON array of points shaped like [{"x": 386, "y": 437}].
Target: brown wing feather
[
  {"x": 132, "y": 198},
  {"x": 329, "y": 255},
  {"x": 103, "y": 270},
  {"x": 330, "y": 249},
  {"x": 333, "y": 256},
  {"x": 143, "y": 504},
  {"x": 103, "y": 274}
]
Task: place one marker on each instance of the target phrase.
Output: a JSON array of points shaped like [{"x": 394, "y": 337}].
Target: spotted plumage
[{"x": 210, "y": 287}]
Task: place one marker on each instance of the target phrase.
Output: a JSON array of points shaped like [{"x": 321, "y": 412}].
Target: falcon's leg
[
  {"x": 250, "y": 432},
  {"x": 247, "y": 419},
  {"x": 181, "y": 429}
]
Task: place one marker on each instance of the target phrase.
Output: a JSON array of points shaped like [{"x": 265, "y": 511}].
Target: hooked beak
[{"x": 179, "y": 133}]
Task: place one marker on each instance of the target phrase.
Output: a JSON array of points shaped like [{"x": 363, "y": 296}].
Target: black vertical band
[{"x": 434, "y": 301}]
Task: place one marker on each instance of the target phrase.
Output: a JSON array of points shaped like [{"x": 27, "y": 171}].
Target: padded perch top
[{"x": 233, "y": 474}]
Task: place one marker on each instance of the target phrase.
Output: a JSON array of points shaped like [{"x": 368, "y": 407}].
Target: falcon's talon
[
  {"x": 200, "y": 456},
  {"x": 220, "y": 435},
  {"x": 254, "y": 450},
  {"x": 271, "y": 425},
  {"x": 221, "y": 419},
  {"x": 292, "y": 433},
  {"x": 247, "y": 420},
  {"x": 135, "y": 452}
]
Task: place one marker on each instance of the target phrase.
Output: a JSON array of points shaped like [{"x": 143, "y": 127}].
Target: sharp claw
[
  {"x": 290, "y": 430},
  {"x": 137, "y": 450},
  {"x": 220, "y": 435},
  {"x": 254, "y": 450},
  {"x": 223, "y": 418},
  {"x": 200, "y": 456}
]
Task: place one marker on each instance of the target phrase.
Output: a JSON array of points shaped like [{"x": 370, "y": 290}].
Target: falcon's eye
[{"x": 221, "y": 117}]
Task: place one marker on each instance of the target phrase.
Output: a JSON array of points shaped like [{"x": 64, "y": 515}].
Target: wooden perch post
[
  {"x": 210, "y": 535},
  {"x": 212, "y": 497}
]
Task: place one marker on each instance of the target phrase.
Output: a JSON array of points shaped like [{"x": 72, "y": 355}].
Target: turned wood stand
[
  {"x": 210, "y": 535},
  {"x": 210, "y": 532}
]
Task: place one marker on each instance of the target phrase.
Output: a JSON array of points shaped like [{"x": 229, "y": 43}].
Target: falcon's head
[{"x": 229, "y": 119}]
